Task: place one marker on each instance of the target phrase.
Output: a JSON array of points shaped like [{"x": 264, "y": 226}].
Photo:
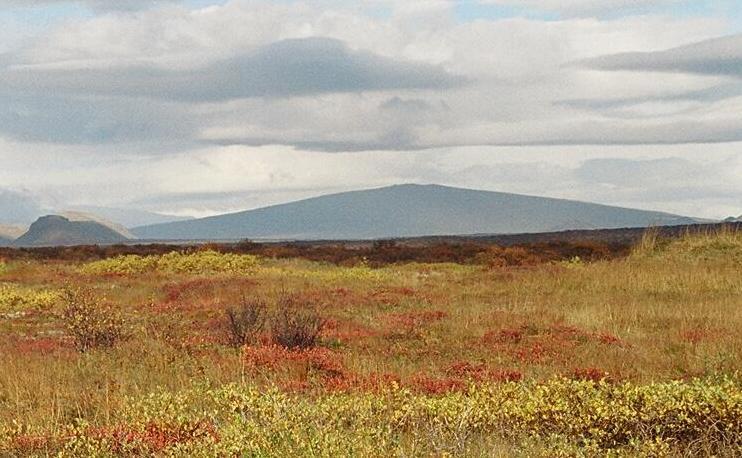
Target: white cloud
[
  {"x": 586, "y": 7},
  {"x": 98, "y": 5},
  {"x": 144, "y": 106}
]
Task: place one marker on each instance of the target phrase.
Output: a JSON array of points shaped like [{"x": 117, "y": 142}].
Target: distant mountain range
[
  {"x": 128, "y": 217},
  {"x": 11, "y": 232},
  {"x": 408, "y": 211},
  {"x": 124, "y": 217},
  {"x": 394, "y": 211}
]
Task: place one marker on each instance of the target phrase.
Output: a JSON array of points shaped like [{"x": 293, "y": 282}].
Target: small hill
[
  {"x": 409, "y": 211},
  {"x": 55, "y": 230}
]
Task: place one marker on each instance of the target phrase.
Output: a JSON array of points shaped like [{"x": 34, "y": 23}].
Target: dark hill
[
  {"x": 54, "y": 230},
  {"x": 408, "y": 211}
]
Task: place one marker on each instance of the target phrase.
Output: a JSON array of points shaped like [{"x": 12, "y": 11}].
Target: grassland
[{"x": 509, "y": 354}]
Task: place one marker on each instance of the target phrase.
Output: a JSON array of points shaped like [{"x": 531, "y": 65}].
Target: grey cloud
[
  {"x": 669, "y": 179},
  {"x": 97, "y": 5},
  {"x": 92, "y": 120},
  {"x": 587, "y": 8},
  {"x": 628, "y": 172},
  {"x": 709, "y": 95},
  {"x": 18, "y": 207},
  {"x": 407, "y": 138},
  {"x": 406, "y": 105},
  {"x": 399, "y": 139},
  {"x": 719, "y": 56},
  {"x": 287, "y": 68},
  {"x": 631, "y": 133}
]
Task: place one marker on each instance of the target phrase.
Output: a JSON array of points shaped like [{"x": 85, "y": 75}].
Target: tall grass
[{"x": 666, "y": 314}]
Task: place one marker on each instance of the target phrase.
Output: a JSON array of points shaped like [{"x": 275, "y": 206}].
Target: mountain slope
[
  {"x": 54, "y": 230},
  {"x": 406, "y": 211},
  {"x": 80, "y": 216}
]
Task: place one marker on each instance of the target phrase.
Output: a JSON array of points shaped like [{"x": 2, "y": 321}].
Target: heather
[{"x": 507, "y": 352}]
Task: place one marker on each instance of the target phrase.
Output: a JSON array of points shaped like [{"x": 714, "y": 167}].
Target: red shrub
[
  {"x": 345, "y": 330},
  {"x": 273, "y": 357},
  {"x": 415, "y": 319},
  {"x": 508, "y": 335},
  {"x": 42, "y": 345},
  {"x": 154, "y": 437},
  {"x": 610, "y": 339},
  {"x": 425, "y": 384},
  {"x": 480, "y": 372}
]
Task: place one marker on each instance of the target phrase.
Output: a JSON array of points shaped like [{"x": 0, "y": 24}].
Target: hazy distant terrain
[
  {"x": 10, "y": 232},
  {"x": 408, "y": 211},
  {"x": 129, "y": 217}
]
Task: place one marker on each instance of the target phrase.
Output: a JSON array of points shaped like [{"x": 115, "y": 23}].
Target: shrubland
[{"x": 510, "y": 353}]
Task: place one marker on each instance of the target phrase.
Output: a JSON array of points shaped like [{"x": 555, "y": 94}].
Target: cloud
[
  {"x": 586, "y": 8},
  {"x": 96, "y": 5},
  {"x": 705, "y": 96},
  {"x": 287, "y": 68},
  {"x": 18, "y": 207},
  {"x": 201, "y": 110},
  {"x": 92, "y": 119},
  {"x": 716, "y": 57}
]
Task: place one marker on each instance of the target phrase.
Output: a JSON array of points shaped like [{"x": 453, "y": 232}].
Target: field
[{"x": 561, "y": 349}]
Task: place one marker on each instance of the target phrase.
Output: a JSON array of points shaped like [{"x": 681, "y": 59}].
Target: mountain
[
  {"x": 732, "y": 219},
  {"x": 54, "y": 230},
  {"x": 128, "y": 217},
  {"x": 408, "y": 211}
]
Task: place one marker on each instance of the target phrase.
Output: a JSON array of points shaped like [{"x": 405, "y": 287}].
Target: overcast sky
[{"x": 201, "y": 107}]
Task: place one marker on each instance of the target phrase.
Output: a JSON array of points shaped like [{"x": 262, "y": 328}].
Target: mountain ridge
[{"x": 408, "y": 210}]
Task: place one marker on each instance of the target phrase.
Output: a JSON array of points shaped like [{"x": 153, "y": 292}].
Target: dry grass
[{"x": 670, "y": 310}]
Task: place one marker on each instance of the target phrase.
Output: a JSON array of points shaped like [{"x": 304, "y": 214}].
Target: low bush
[
  {"x": 244, "y": 323},
  {"x": 295, "y": 324},
  {"x": 206, "y": 261},
  {"x": 16, "y": 299},
  {"x": 557, "y": 418},
  {"x": 91, "y": 323}
]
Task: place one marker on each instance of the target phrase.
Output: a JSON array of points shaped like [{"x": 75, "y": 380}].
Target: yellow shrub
[
  {"x": 14, "y": 298},
  {"x": 559, "y": 417},
  {"x": 175, "y": 262}
]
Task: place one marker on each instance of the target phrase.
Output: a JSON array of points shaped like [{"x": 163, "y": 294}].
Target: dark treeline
[{"x": 374, "y": 254}]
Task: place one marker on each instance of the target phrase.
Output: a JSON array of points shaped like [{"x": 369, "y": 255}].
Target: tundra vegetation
[{"x": 586, "y": 351}]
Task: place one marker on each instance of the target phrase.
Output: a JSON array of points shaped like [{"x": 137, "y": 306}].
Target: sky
[{"x": 202, "y": 107}]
